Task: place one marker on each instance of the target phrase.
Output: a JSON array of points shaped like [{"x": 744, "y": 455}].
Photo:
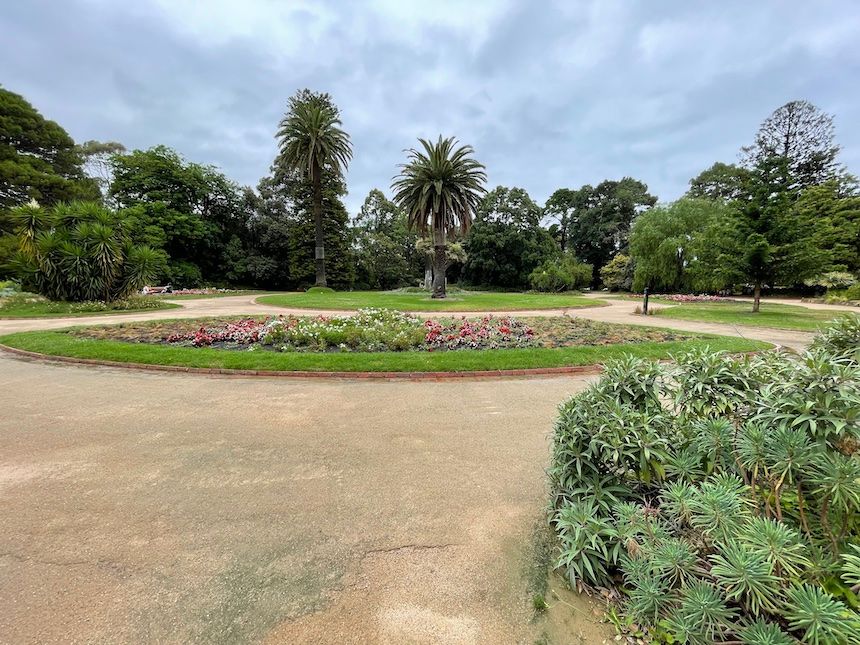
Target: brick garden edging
[{"x": 215, "y": 371}]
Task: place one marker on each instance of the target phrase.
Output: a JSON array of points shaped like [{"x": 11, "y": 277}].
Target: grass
[
  {"x": 62, "y": 343},
  {"x": 776, "y": 316},
  {"x": 459, "y": 301},
  {"x": 19, "y": 306}
]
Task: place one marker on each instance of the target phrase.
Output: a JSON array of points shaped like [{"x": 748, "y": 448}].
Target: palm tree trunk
[
  {"x": 428, "y": 272},
  {"x": 756, "y": 296},
  {"x": 319, "y": 250},
  {"x": 440, "y": 261}
]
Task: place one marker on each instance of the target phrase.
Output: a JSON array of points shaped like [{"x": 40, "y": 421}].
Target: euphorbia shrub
[{"x": 719, "y": 494}]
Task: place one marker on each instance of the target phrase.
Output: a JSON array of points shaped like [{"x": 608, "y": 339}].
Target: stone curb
[{"x": 214, "y": 371}]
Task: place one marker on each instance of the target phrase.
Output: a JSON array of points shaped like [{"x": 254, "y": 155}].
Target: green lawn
[
  {"x": 459, "y": 301},
  {"x": 772, "y": 315},
  {"x": 19, "y": 306},
  {"x": 61, "y": 343}
]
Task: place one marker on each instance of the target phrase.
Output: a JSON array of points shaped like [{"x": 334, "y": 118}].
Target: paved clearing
[{"x": 142, "y": 507}]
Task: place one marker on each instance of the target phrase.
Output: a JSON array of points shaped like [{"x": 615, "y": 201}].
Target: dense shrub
[
  {"x": 720, "y": 494},
  {"x": 562, "y": 274},
  {"x": 81, "y": 252},
  {"x": 841, "y": 338},
  {"x": 617, "y": 275}
]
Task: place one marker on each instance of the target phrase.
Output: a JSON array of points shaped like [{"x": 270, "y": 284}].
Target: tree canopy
[
  {"x": 38, "y": 159},
  {"x": 506, "y": 242}
]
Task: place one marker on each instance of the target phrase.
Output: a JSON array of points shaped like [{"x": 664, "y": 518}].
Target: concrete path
[{"x": 142, "y": 508}]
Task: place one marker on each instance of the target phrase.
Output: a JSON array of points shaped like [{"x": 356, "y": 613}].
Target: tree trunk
[
  {"x": 440, "y": 262},
  {"x": 428, "y": 271},
  {"x": 319, "y": 249},
  {"x": 756, "y": 297}
]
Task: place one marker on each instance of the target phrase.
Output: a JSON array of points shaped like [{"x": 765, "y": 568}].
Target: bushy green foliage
[
  {"x": 617, "y": 275},
  {"x": 81, "y": 252},
  {"x": 561, "y": 274},
  {"x": 841, "y": 338},
  {"x": 720, "y": 493},
  {"x": 506, "y": 242}
]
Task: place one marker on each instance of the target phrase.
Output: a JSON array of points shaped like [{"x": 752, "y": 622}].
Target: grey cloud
[{"x": 550, "y": 95}]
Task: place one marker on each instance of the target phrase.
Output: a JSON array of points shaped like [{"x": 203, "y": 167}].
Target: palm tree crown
[
  {"x": 440, "y": 188},
  {"x": 311, "y": 137}
]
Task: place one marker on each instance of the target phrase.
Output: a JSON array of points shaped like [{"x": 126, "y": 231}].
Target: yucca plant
[
  {"x": 822, "y": 619},
  {"x": 750, "y": 453},
  {"x": 81, "y": 251},
  {"x": 788, "y": 455},
  {"x": 778, "y": 509},
  {"x": 838, "y": 492},
  {"x": 709, "y": 384},
  {"x": 633, "y": 381}
]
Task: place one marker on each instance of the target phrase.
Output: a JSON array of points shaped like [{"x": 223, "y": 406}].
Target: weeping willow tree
[
  {"x": 440, "y": 188},
  {"x": 81, "y": 251}
]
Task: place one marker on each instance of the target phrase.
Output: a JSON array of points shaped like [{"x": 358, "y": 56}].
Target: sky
[{"x": 550, "y": 94}]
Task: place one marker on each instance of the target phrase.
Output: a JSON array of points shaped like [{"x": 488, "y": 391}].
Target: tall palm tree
[
  {"x": 312, "y": 141},
  {"x": 440, "y": 188}
]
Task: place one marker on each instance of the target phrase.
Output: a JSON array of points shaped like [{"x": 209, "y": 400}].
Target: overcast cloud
[{"x": 550, "y": 94}]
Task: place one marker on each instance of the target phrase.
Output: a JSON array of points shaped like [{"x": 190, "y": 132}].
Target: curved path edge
[{"x": 216, "y": 371}]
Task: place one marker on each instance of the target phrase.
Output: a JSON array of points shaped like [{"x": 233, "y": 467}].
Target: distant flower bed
[
  {"x": 684, "y": 297},
  {"x": 378, "y": 330},
  {"x": 155, "y": 291}
]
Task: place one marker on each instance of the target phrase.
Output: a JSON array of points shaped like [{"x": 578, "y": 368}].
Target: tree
[
  {"x": 97, "y": 159},
  {"x": 721, "y": 182},
  {"x": 81, "y": 251},
  {"x": 563, "y": 206},
  {"x": 600, "y": 227},
  {"x": 564, "y": 273},
  {"x": 665, "y": 240},
  {"x": 386, "y": 255},
  {"x": 189, "y": 210},
  {"x": 312, "y": 142},
  {"x": 506, "y": 242},
  {"x": 764, "y": 242},
  {"x": 617, "y": 274},
  {"x": 38, "y": 159},
  {"x": 834, "y": 213},
  {"x": 303, "y": 208},
  {"x": 440, "y": 188},
  {"x": 804, "y": 136}
]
